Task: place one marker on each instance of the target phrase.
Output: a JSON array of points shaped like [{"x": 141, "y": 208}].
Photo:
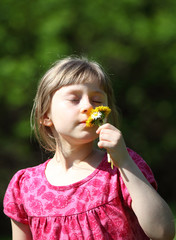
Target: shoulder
[
  {"x": 16, "y": 192},
  {"x": 25, "y": 174}
]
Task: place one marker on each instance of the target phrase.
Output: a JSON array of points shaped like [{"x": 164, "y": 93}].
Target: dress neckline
[{"x": 73, "y": 185}]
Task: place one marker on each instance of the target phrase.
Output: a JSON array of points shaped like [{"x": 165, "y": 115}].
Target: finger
[
  {"x": 109, "y": 135},
  {"x": 105, "y": 126},
  {"x": 104, "y": 133},
  {"x": 104, "y": 144}
]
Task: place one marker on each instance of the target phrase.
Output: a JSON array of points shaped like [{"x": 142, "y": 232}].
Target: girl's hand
[
  {"x": 112, "y": 140},
  {"x": 152, "y": 212}
]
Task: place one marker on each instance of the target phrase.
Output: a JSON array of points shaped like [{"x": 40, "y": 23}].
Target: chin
[{"x": 86, "y": 139}]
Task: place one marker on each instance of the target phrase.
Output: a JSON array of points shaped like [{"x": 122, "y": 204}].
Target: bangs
[{"x": 82, "y": 72}]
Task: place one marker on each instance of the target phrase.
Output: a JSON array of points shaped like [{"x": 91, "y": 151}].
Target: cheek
[
  {"x": 62, "y": 115},
  {"x": 62, "y": 118}
]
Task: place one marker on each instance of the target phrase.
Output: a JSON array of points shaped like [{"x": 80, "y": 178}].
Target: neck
[{"x": 68, "y": 155}]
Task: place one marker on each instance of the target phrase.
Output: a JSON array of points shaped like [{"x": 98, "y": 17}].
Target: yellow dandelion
[{"x": 97, "y": 116}]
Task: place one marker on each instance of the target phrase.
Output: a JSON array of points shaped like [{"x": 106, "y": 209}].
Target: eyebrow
[{"x": 100, "y": 92}]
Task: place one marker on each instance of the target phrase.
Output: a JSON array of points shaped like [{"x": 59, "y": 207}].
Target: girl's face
[{"x": 69, "y": 111}]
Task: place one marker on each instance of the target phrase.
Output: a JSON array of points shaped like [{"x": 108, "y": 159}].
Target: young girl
[{"x": 76, "y": 194}]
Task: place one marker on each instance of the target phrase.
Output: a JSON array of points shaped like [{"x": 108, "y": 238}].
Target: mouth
[{"x": 83, "y": 122}]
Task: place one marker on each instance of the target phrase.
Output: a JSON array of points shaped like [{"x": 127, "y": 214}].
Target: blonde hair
[{"x": 67, "y": 71}]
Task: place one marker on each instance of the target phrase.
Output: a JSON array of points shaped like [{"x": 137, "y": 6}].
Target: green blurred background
[{"x": 134, "y": 40}]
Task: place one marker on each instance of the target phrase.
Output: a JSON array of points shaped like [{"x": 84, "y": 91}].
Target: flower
[{"x": 97, "y": 116}]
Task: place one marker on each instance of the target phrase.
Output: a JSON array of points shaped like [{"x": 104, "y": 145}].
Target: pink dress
[{"x": 97, "y": 207}]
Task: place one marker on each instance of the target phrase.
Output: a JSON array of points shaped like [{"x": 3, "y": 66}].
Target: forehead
[
  {"x": 81, "y": 74},
  {"x": 83, "y": 87}
]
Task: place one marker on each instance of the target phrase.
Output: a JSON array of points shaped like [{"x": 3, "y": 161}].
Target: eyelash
[
  {"x": 77, "y": 100},
  {"x": 74, "y": 100},
  {"x": 97, "y": 102}
]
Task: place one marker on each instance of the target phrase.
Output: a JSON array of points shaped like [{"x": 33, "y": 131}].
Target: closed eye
[
  {"x": 99, "y": 102},
  {"x": 74, "y": 100}
]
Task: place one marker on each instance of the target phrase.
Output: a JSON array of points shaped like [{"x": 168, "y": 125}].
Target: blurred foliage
[{"x": 135, "y": 41}]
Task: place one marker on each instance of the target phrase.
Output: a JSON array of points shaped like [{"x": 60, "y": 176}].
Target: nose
[{"x": 85, "y": 105}]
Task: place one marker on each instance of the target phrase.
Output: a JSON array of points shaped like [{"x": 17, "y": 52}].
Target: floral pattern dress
[{"x": 97, "y": 207}]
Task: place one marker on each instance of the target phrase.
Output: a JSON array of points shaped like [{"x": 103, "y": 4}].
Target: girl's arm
[
  {"x": 151, "y": 210},
  {"x": 20, "y": 231}
]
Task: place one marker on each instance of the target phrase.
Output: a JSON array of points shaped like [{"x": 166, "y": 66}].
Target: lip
[{"x": 83, "y": 121}]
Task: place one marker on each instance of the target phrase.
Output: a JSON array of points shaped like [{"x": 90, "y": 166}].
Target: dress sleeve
[
  {"x": 145, "y": 169},
  {"x": 13, "y": 203}
]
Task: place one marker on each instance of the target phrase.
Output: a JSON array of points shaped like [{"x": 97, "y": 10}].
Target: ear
[{"x": 46, "y": 121}]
